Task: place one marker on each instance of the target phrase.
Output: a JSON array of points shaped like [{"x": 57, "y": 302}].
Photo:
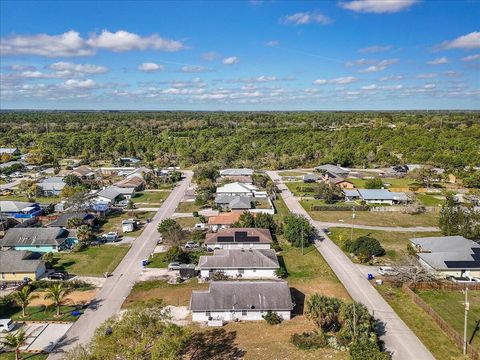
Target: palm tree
[
  {"x": 84, "y": 234},
  {"x": 323, "y": 310},
  {"x": 57, "y": 292},
  {"x": 23, "y": 297},
  {"x": 15, "y": 340}
]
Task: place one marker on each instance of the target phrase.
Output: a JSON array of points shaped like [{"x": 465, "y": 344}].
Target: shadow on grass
[
  {"x": 215, "y": 344},
  {"x": 299, "y": 298}
]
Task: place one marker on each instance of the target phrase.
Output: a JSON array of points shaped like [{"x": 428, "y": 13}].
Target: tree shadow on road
[{"x": 215, "y": 344}]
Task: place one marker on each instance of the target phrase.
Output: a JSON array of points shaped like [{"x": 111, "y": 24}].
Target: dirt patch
[{"x": 74, "y": 298}]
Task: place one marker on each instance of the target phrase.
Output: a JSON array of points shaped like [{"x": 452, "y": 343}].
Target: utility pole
[
  {"x": 302, "y": 238},
  {"x": 353, "y": 223},
  {"x": 467, "y": 306}
]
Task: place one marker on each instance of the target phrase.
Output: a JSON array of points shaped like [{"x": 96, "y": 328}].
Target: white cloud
[
  {"x": 375, "y": 49},
  {"x": 230, "y": 60},
  {"x": 339, "y": 80},
  {"x": 377, "y": 6},
  {"x": 80, "y": 84},
  {"x": 369, "y": 87},
  {"x": 391, "y": 77},
  {"x": 471, "y": 57},
  {"x": 20, "y": 67},
  {"x": 438, "y": 61},
  {"x": 272, "y": 43},
  {"x": 150, "y": 67},
  {"x": 193, "y": 69},
  {"x": 304, "y": 18},
  {"x": 78, "y": 68},
  {"x": 429, "y": 86},
  {"x": 426, "y": 76},
  {"x": 466, "y": 42},
  {"x": 378, "y": 65},
  {"x": 71, "y": 43},
  {"x": 210, "y": 56}
]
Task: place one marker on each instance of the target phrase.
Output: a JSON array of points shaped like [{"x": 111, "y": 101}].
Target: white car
[
  {"x": 6, "y": 325},
  {"x": 191, "y": 245},
  {"x": 110, "y": 236},
  {"x": 387, "y": 271},
  {"x": 200, "y": 226}
]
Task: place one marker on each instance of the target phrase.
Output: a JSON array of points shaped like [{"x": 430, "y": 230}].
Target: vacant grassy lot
[
  {"x": 292, "y": 173},
  {"x": 114, "y": 222},
  {"x": 430, "y": 200},
  {"x": 301, "y": 189},
  {"x": 93, "y": 261},
  {"x": 187, "y": 222},
  {"x": 187, "y": 207},
  {"x": 308, "y": 203},
  {"x": 394, "y": 182},
  {"x": 24, "y": 356},
  {"x": 421, "y": 324},
  {"x": 394, "y": 243},
  {"x": 177, "y": 294},
  {"x": 449, "y": 305},
  {"x": 376, "y": 218},
  {"x": 154, "y": 197},
  {"x": 40, "y": 199}
]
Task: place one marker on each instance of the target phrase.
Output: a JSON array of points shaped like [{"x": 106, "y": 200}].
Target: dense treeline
[{"x": 255, "y": 139}]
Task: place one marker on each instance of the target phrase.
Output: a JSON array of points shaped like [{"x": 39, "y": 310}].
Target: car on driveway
[
  {"x": 387, "y": 271},
  {"x": 191, "y": 245},
  {"x": 111, "y": 236},
  {"x": 174, "y": 265},
  {"x": 6, "y": 325},
  {"x": 57, "y": 275}
]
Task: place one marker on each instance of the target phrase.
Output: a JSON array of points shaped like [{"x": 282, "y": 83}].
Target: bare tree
[{"x": 411, "y": 271}]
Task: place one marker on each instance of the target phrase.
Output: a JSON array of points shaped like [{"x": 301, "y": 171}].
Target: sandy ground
[
  {"x": 158, "y": 274},
  {"x": 75, "y": 297},
  {"x": 179, "y": 314}
]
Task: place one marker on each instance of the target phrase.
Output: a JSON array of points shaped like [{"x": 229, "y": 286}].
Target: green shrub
[
  {"x": 309, "y": 340},
  {"x": 364, "y": 247},
  {"x": 367, "y": 350},
  {"x": 272, "y": 318},
  {"x": 195, "y": 214},
  {"x": 281, "y": 272}
]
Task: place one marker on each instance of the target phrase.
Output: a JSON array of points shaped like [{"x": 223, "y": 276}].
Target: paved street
[
  {"x": 109, "y": 299},
  {"x": 381, "y": 228},
  {"x": 398, "y": 338}
]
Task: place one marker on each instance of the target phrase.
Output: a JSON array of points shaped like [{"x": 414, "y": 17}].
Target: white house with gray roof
[
  {"x": 52, "y": 186},
  {"x": 449, "y": 255},
  {"x": 241, "y": 300},
  {"x": 245, "y": 264},
  {"x": 236, "y": 172},
  {"x": 376, "y": 196}
]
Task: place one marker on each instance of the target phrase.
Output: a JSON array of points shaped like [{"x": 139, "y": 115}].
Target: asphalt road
[
  {"x": 413, "y": 229},
  {"x": 116, "y": 288},
  {"x": 399, "y": 340}
]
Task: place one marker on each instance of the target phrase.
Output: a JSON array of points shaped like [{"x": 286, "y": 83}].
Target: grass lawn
[
  {"x": 41, "y": 199},
  {"x": 421, "y": 324},
  {"x": 299, "y": 188},
  {"x": 376, "y": 218},
  {"x": 430, "y": 200},
  {"x": 394, "y": 182},
  {"x": 449, "y": 305},
  {"x": 93, "y": 261},
  {"x": 187, "y": 207},
  {"x": 308, "y": 203},
  {"x": 292, "y": 173},
  {"x": 114, "y": 222},
  {"x": 155, "y": 197},
  {"x": 23, "y": 356},
  {"x": 394, "y": 243},
  {"x": 176, "y": 294},
  {"x": 188, "y": 222},
  {"x": 40, "y": 313},
  {"x": 157, "y": 261},
  {"x": 281, "y": 209}
]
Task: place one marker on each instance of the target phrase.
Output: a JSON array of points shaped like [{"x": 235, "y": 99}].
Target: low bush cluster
[
  {"x": 310, "y": 340},
  {"x": 364, "y": 247},
  {"x": 272, "y": 318}
]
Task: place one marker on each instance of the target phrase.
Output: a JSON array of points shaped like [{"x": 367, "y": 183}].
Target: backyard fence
[{"x": 446, "y": 328}]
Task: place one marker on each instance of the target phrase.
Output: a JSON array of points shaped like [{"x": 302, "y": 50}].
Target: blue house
[
  {"x": 20, "y": 210},
  {"x": 48, "y": 239}
]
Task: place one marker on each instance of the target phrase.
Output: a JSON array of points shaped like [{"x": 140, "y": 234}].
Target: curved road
[
  {"x": 111, "y": 296},
  {"x": 399, "y": 340}
]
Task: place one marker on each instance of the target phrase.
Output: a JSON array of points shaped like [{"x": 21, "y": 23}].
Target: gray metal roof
[
  {"x": 63, "y": 218},
  {"x": 14, "y": 206},
  {"x": 243, "y": 295},
  {"x": 375, "y": 194},
  {"x": 19, "y": 261},
  {"x": 110, "y": 192},
  {"x": 444, "y": 243},
  {"x": 310, "y": 177},
  {"x": 240, "y": 202},
  {"x": 332, "y": 168},
  {"x": 54, "y": 183},
  {"x": 34, "y": 236},
  {"x": 351, "y": 193},
  {"x": 245, "y": 259},
  {"x": 236, "y": 172}
]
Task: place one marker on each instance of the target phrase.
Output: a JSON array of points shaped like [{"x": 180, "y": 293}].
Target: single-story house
[
  {"x": 449, "y": 255},
  {"x": 239, "y": 238},
  {"x": 224, "y": 220},
  {"x": 342, "y": 172},
  {"x": 376, "y": 196},
  {"x": 114, "y": 194},
  {"x": 38, "y": 239},
  {"x": 20, "y": 265},
  {"x": 62, "y": 220},
  {"x": 236, "y": 172},
  {"x": 237, "y": 189},
  {"x": 84, "y": 172},
  {"x": 335, "y": 179},
  {"x": 241, "y": 300},
  {"x": 129, "y": 160},
  {"x": 115, "y": 170},
  {"x": 247, "y": 264},
  {"x": 20, "y": 209},
  {"x": 52, "y": 186},
  {"x": 310, "y": 178},
  {"x": 140, "y": 171},
  {"x": 227, "y": 202},
  {"x": 10, "y": 151},
  {"x": 135, "y": 182}
]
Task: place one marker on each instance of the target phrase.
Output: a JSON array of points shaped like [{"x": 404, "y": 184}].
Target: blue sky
[{"x": 244, "y": 55}]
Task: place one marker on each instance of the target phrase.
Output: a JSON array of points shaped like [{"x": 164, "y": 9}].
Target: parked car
[
  {"x": 317, "y": 197},
  {"x": 387, "y": 271},
  {"x": 191, "y": 245},
  {"x": 200, "y": 226},
  {"x": 463, "y": 279},
  {"x": 326, "y": 231},
  {"x": 6, "y": 325},
  {"x": 111, "y": 236},
  {"x": 57, "y": 275},
  {"x": 174, "y": 265}
]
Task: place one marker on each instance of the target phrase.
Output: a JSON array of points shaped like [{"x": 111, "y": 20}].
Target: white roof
[
  {"x": 236, "y": 172},
  {"x": 236, "y": 188}
]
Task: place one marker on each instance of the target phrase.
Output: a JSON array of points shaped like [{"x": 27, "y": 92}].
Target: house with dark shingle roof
[
  {"x": 239, "y": 238},
  {"x": 20, "y": 265},
  {"x": 245, "y": 264},
  {"x": 241, "y": 300},
  {"x": 38, "y": 239}
]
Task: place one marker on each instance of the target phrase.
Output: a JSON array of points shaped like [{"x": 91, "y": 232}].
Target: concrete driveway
[{"x": 399, "y": 340}]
